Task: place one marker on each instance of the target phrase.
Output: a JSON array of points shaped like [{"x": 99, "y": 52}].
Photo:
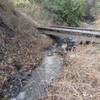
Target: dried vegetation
[
  {"x": 80, "y": 78},
  {"x": 20, "y": 45}
]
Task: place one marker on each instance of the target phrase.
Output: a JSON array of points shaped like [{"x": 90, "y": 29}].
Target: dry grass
[{"x": 80, "y": 78}]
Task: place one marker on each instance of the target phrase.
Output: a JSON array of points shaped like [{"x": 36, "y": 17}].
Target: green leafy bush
[{"x": 69, "y": 11}]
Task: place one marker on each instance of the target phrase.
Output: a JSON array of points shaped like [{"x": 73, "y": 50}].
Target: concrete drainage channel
[{"x": 48, "y": 71}]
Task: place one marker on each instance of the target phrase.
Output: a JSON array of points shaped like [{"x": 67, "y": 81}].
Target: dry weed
[{"x": 79, "y": 80}]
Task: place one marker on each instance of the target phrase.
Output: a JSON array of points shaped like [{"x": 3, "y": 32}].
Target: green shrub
[{"x": 69, "y": 11}]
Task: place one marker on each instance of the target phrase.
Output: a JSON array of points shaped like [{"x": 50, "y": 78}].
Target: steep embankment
[{"x": 20, "y": 46}]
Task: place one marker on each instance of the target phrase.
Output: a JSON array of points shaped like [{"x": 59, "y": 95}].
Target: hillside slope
[{"x": 20, "y": 45}]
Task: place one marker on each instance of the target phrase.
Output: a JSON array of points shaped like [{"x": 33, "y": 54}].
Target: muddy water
[{"x": 37, "y": 87}]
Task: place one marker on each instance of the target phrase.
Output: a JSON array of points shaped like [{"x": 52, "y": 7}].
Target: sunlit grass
[{"x": 21, "y": 3}]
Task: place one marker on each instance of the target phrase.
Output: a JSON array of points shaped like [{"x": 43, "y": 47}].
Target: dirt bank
[{"x": 20, "y": 45}]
